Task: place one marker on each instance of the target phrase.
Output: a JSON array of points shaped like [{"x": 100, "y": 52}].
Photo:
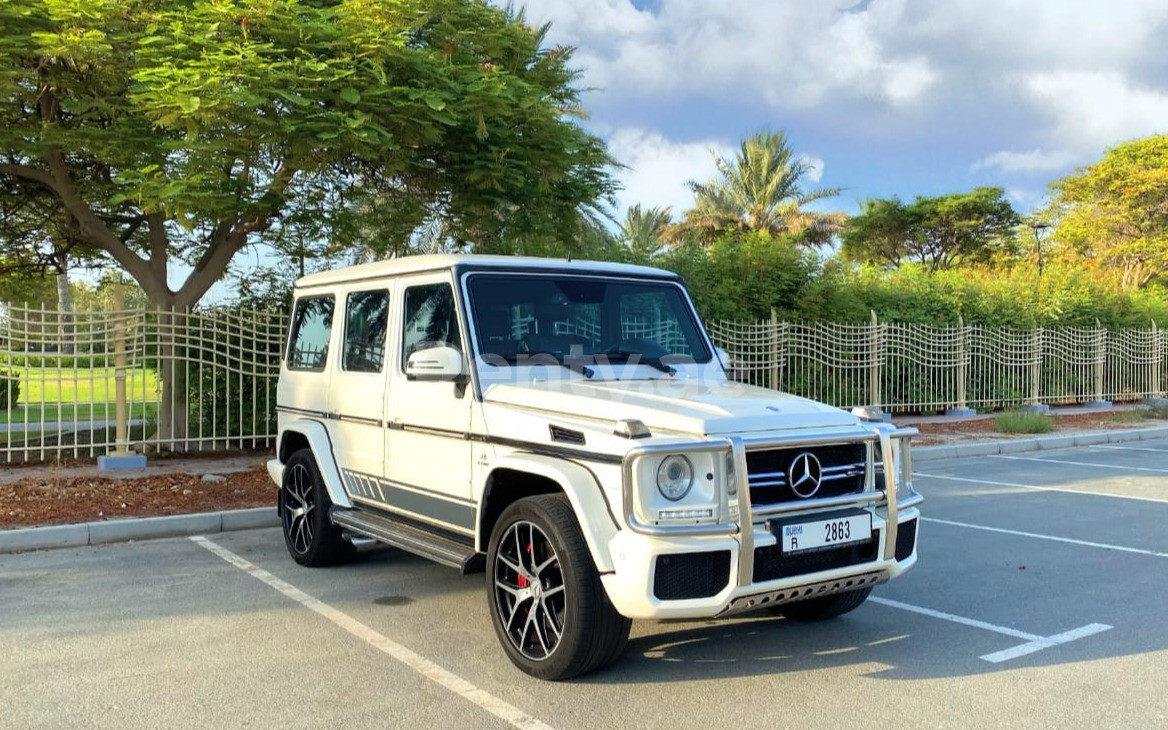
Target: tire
[
  {"x": 310, "y": 536},
  {"x": 821, "y": 609},
  {"x": 540, "y": 581}
]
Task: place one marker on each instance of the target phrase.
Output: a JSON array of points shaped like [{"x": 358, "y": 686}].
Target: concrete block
[
  {"x": 40, "y": 538},
  {"x": 154, "y": 527},
  {"x": 1055, "y": 442},
  {"x": 1017, "y": 446},
  {"x": 960, "y": 412},
  {"x": 111, "y": 462},
  {"x": 933, "y": 453},
  {"x": 249, "y": 519},
  {"x": 1089, "y": 439},
  {"x": 984, "y": 448},
  {"x": 1146, "y": 434}
]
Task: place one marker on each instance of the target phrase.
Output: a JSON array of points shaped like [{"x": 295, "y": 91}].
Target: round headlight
[{"x": 674, "y": 477}]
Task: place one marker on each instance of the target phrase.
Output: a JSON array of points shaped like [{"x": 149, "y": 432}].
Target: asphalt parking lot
[{"x": 1040, "y": 600}]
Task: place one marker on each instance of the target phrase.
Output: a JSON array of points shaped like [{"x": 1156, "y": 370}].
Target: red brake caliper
[{"x": 522, "y": 578}]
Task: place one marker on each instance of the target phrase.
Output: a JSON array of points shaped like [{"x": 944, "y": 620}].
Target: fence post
[
  {"x": 1098, "y": 366},
  {"x": 961, "y": 408},
  {"x": 774, "y": 349},
  {"x": 120, "y": 457},
  {"x": 1155, "y": 391},
  {"x": 874, "y": 363},
  {"x": 1036, "y": 347}
]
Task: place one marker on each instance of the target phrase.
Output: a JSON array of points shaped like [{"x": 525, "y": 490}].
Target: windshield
[{"x": 574, "y": 319}]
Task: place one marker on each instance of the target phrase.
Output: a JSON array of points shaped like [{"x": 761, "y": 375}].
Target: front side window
[
  {"x": 312, "y": 323},
  {"x": 366, "y": 316},
  {"x": 519, "y": 316},
  {"x": 431, "y": 319}
]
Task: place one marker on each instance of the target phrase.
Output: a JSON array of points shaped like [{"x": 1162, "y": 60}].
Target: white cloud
[
  {"x": 814, "y": 167},
  {"x": 1094, "y": 109},
  {"x": 790, "y": 54},
  {"x": 1035, "y": 160},
  {"x": 658, "y": 168}
]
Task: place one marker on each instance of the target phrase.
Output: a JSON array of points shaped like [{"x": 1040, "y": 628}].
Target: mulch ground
[{"x": 65, "y": 500}]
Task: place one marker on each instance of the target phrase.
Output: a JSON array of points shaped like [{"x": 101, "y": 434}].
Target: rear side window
[
  {"x": 366, "y": 315},
  {"x": 312, "y": 323}
]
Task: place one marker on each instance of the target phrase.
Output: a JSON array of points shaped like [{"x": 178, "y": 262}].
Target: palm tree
[
  {"x": 643, "y": 230},
  {"x": 759, "y": 189}
]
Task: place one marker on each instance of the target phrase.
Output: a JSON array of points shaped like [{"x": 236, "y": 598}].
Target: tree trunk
[
  {"x": 65, "y": 327},
  {"x": 173, "y": 411}
]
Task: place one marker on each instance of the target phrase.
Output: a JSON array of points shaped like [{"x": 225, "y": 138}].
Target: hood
[{"x": 672, "y": 405}]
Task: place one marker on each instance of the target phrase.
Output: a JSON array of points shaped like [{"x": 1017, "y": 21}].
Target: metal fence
[
  {"x": 206, "y": 380},
  {"x": 912, "y": 368},
  {"x": 193, "y": 381}
]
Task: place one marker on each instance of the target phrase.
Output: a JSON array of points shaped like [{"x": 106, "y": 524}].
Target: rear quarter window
[{"x": 308, "y": 341}]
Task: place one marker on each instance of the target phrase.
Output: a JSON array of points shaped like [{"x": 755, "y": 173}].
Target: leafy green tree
[
  {"x": 186, "y": 130},
  {"x": 644, "y": 231},
  {"x": 1115, "y": 213},
  {"x": 742, "y": 276},
  {"x": 936, "y": 232},
  {"x": 761, "y": 190},
  {"x": 172, "y": 134}
]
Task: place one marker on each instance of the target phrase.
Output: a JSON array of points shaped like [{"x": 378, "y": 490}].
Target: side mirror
[
  {"x": 724, "y": 358},
  {"x": 435, "y": 363}
]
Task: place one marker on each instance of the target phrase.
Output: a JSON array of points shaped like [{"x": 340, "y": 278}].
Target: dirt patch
[{"x": 59, "y": 500}]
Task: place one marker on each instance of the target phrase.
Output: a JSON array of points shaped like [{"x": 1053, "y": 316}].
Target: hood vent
[{"x": 566, "y": 435}]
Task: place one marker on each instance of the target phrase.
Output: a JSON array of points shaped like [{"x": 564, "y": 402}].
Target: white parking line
[
  {"x": 1034, "y": 642},
  {"x": 1044, "y": 643},
  {"x": 1128, "y": 448},
  {"x": 1078, "y": 463},
  {"x": 1052, "y": 538},
  {"x": 420, "y": 664},
  {"x": 991, "y": 483},
  {"x": 954, "y": 618}
]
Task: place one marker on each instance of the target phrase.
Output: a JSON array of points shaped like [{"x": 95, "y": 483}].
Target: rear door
[{"x": 358, "y": 388}]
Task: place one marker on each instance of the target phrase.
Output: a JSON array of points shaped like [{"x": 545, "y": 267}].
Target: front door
[{"x": 428, "y": 452}]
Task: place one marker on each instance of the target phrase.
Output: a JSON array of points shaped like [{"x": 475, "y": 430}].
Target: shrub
[
  {"x": 1133, "y": 415},
  {"x": 9, "y": 390},
  {"x": 1022, "y": 422}
]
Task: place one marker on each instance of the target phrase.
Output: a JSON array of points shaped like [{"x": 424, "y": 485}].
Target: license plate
[{"x": 797, "y": 537}]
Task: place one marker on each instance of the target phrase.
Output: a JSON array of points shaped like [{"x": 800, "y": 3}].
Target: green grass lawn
[{"x": 81, "y": 394}]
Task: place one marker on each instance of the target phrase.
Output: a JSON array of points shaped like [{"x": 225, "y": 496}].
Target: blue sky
[{"x": 885, "y": 97}]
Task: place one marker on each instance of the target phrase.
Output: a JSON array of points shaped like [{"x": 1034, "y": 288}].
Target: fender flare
[
  {"x": 322, "y": 451},
  {"x": 584, "y": 492}
]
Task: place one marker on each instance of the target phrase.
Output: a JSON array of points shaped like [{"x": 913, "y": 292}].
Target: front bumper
[
  {"x": 734, "y": 565},
  {"x": 632, "y": 586}
]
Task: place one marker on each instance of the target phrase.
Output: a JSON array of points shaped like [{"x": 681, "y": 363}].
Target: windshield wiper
[{"x": 637, "y": 358}]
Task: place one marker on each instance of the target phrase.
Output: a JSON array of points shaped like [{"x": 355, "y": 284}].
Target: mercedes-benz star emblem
[{"x": 805, "y": 475}]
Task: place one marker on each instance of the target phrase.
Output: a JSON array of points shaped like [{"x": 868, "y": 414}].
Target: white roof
[{"x": 435, "y": 262}]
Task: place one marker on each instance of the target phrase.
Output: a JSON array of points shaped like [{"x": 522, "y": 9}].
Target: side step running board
[{"x": 436, "y": 547}]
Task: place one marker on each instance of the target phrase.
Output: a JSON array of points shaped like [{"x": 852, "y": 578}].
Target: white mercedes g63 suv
[{"x": 569, "y": 427}]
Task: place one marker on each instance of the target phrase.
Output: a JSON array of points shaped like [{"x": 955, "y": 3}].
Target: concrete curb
[
  {"x": 1014, "y": 446},
  {"x": 145, "y": 528}
]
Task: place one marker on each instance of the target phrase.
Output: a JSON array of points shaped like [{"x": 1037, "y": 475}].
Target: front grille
[
  {"x": 771, "y": 564},
  {"x": 906, "y": 540},
  {"x": 691, "y": 575},
  {"x": 842, "y": 472}
]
